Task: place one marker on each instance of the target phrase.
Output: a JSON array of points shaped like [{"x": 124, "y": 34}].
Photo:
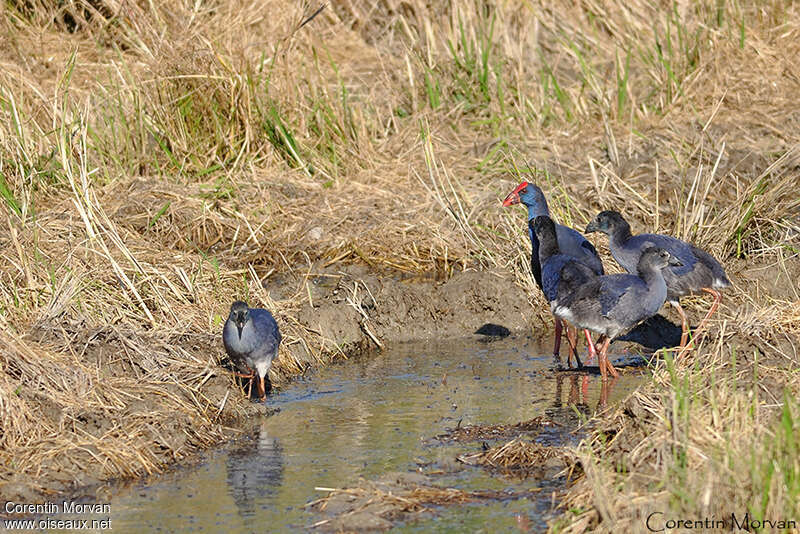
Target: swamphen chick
[
  {"x": 570, "y": 243},
  {"x": 561, "y": 273},
  {"x": 614, "y": 304},
  {"x": 251, "y": 338},
  {"x": 698, "y": 271}
]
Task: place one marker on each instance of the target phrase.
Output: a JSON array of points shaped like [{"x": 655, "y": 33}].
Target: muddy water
[{"x": 369, "y": 416}]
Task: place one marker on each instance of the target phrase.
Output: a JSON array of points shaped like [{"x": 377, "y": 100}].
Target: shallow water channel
[{"x": 368, "y": 416}]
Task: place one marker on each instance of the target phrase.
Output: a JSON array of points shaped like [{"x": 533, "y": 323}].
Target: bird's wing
[
  {"x": 716, "y": 268},
  {"x": 680, "y": 249},
  {"x": 551, "y": 275},
  {"x": 589, "y": 247},
  {"x": 267, "y": 328},
  {"x": 573, "y": 243},
  {"x": 618, "y": 290}
]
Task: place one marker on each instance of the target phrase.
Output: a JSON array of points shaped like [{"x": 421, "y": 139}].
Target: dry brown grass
[
  {"x": 516, "y": 457},
  {"x": 482, "y": 432},
  {"x": 723, "y": 423},
  {"x": 392, "y": 503},
  {"x": 159, "y": 158}
]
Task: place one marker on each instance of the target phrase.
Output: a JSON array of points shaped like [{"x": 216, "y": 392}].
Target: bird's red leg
[
  {"x": 599, "y": 351},
  {"x": 557, "y": 345},
  {"x": 262, "y": 394},
  {"x": 237, "y": 373},
  {"x": 592, "y": 349},
  {"x": 684, "y": 324},
  {"x": 610, "y": 368},
  {"x": 250, "y": 376},
  {"x": 714, "y": 305},
  {"x": 572, "y": 339},
  {"x": 607, "y": 367}
]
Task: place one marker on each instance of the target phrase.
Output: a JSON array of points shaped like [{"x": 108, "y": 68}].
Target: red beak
[{"x": 513, "y": 197}]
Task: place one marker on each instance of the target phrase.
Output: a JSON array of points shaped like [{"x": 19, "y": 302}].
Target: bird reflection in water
[
  {"x": 255, "y": 472},
  {"x": 578, "y": 398}
]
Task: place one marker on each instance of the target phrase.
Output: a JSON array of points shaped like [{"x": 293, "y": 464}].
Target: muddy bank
[
  {"x": 353, "y": 308},
  {"x": 149, "y": 399}
]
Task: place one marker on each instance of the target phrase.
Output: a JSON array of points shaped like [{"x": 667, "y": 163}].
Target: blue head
[{"x": 531, "y": 196}]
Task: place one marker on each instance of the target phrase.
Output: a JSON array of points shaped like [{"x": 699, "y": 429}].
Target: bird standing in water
[
  {"x": 561, "y": 274},
  {"x": 698, "y": 271},
  {"x": 570, "y": 243},
  {"x": 614, "y": 304},
  {"x": 251, "y": 338}
]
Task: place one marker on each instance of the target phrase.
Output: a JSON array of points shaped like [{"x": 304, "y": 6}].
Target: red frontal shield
[{"x": 513, "y": 197}]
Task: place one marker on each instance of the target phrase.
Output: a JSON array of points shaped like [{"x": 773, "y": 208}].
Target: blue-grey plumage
[
  {"x": 561, "y": 273},
  {"x": 612, "y": 305},
  {"x": 699, "y": 272},
  {"x": 251, "y": 338},
  {"x": 570, "y": 243}
]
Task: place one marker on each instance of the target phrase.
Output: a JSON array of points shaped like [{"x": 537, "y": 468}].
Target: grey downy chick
[
  {"x": 251, "y": 338},
  {"x": 613, "y": 304}
]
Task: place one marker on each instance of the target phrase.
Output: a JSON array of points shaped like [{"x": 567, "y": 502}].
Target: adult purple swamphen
[
  {"x": 561, "y": 274},
  {"x": 251, "y": 338},
  {"x": 699, "y": 270},
  {"x": 570, "y": 243},
  {"x": 614, "y": 304}
]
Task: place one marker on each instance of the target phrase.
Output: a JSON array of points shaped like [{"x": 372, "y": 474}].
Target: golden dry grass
[
  {"x": 390, "y": 502},
  {"x": 710, "y": 437},
  {"x": 516, "y": 457},
  {"x": 158, "y": 158}
]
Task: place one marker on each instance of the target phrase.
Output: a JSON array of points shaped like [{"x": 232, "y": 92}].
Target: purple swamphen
[
  {"x": 698, "y": 271},
  {"x": 614, "y": 304},
  {"x": 251, "y": 338},
  {"x": 561, "y": 274},
  {"x": 570, "y": 243}
]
